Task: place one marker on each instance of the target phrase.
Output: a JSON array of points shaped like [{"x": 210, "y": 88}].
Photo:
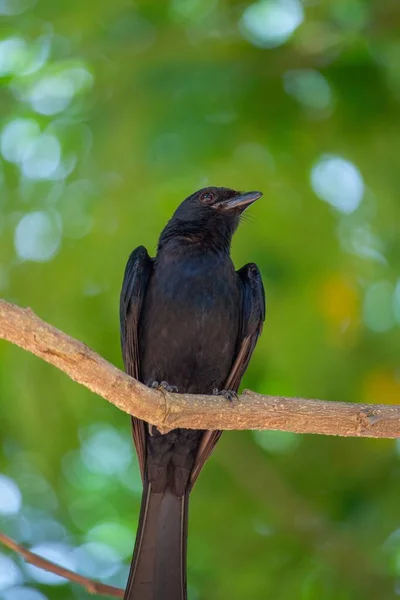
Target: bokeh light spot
[
  {"x": 357, "y": 238},
  {"x": 262, "y": 528},
  {"x": 80, "y": 78},
  {"x": 338, "y": 182},
  {"x": 309, "y": 87},
  {"x": 378, "y": 307},
  {"x": 38, "y": 236},
  {"x": 134, "y": 480},
  {"x": 94, "y": 558},
  {"x": 270, "y": 23},
  {"x": 36, "y": 58},
  {"x": 106, "y": 451},
  {"x": 56, "y": 553},
  {"x": 22, "y": 593},
  {"x": 15, "y": 7},
  {"x": 42, "y": 157},
  {"x": 78, "y": 475},
  {"x": 16, "y": 136},
  {"x": 277, "y": 442},
  {"x": 10, "y": 575},
  {"x": 51, "y": 95},
  {"x": 193, "y": 593},
  {"x": 392, "y": 544},
  {"x": 13, "y": 52},
  {"x": 115, "y": 535},
  {"x": 194, "y": 10},
  {"x": 10, "y": 496}
]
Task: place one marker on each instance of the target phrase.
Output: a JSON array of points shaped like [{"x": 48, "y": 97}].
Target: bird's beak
[{"x": 240, "y": 201}]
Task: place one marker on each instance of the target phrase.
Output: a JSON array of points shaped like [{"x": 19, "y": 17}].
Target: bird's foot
[
  {"x": 152, "y": 429},
  {"x": 228, "y": 394},
  {"x": 164, "y": 386}
]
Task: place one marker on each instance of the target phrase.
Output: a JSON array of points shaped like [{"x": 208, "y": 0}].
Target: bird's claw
[
  {"x": 164, "y": 386},
  {"x": 152, "y": 429},
  {"x": 229, "y": 395}
]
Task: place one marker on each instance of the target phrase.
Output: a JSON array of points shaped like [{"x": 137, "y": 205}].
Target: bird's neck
[
  {"x": 189, "y": 258},
  {"x": 205, "y": 236}
]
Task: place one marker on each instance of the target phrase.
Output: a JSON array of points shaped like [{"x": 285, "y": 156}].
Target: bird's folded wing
[
  {"x": 252, "y": 316},
  {"x": 136, "y": 277}
]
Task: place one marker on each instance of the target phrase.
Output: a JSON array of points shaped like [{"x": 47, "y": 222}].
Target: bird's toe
[
  {"x": 164, "y": 386},
  {"x": 229, "y": 395}
]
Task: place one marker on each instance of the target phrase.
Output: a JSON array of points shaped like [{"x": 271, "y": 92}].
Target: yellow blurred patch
[
  {"x": 339, "y": 302},
  {"x": 382, "y": 387}
]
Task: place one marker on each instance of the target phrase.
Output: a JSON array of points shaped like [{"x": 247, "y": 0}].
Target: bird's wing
[
  {"x": 137, "y": 273},
  {"x": 252, "y": 316}
]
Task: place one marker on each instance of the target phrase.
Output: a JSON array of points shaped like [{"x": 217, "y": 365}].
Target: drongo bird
[{"x": 189, "y": 323}]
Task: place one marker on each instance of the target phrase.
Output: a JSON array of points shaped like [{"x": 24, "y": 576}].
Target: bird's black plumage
[{"x": 190, "y": 320}]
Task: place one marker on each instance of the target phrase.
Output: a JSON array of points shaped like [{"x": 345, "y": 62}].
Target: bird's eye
[{"x": 207, "y": 197}]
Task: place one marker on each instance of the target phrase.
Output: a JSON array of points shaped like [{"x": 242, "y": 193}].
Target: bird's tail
[{"x": 158, "y": 568}]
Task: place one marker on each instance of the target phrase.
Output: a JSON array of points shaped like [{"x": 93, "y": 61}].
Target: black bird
[{"x": 189, "y": 323}]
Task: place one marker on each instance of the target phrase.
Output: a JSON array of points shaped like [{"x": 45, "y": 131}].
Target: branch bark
[
  {"x": 93, "y": 587},
  {"x": 167, "y": 411}
]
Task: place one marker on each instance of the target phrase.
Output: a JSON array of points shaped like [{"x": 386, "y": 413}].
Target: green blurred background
[{"x": 111, "y": 114}]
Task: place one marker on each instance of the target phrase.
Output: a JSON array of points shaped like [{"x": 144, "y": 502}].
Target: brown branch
[
  {"x": 168, "y": 411},
  {"x": 93, "y": 587}
]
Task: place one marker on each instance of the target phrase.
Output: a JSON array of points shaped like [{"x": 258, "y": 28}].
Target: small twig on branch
[
  {"x": 93, "y": 587},
  {"x": 169, "y": 411}
]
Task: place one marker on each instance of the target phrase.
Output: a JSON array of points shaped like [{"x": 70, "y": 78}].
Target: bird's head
[{"x": 209, "y": 216}]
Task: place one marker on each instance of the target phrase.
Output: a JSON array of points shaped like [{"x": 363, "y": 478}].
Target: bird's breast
[{"x": 189, "y": 323}]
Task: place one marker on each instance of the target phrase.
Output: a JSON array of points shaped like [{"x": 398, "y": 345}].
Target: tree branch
[
  {"x": 93, "y": 587},
  {"x": 168, "y": 411}
]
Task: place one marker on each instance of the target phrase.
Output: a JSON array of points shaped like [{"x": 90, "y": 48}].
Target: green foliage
[{"x": 113, "y": 113}]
